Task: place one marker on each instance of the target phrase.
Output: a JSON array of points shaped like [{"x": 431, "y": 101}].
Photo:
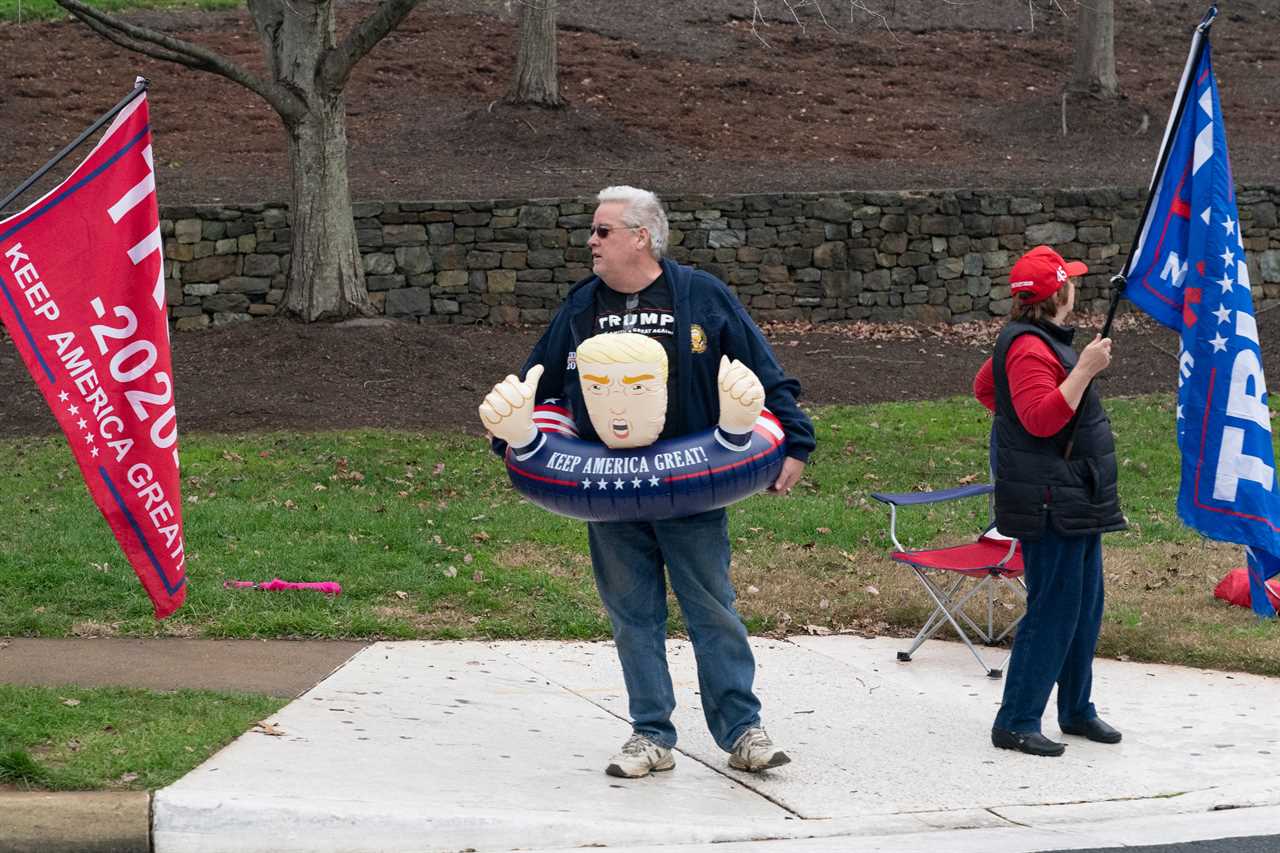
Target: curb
[{"x": 75, "y": 822}]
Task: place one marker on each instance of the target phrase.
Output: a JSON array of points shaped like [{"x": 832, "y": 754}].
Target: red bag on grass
[{"x": 1234, "y": 589}]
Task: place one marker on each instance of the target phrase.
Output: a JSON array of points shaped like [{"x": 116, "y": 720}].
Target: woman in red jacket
[{"x": 1055, "y": 474}]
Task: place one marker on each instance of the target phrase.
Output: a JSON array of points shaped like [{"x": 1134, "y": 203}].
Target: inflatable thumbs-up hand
[
  {"x": 507, "y": 410},
  {"x": 741, "y": 396}
]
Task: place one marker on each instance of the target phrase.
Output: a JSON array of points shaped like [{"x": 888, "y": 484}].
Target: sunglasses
[{"x": 603, "y": 231}]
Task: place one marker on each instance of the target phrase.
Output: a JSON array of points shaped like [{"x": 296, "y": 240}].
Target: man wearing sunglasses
[{"x": 697, "y": 319}]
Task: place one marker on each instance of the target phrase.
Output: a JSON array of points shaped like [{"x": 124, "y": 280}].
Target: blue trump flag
[{"x": 1188, "y": 271}]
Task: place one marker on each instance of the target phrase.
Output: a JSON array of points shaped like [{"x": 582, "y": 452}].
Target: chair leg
[
  {"x": 958, "y": 605},
  {"x": 941, "y": 600},
  {"x": 949, "y": 609},
  {"x": 991, "y": 621},
  {"x": 936, "y": 618},
  {"x": 1019, "y": 592}
]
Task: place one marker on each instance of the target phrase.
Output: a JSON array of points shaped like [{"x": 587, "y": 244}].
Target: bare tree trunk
[
  {"x": 1094, "y": 69},
  {"x": 326, "y": 276},
  {"x": 536, "y": 78},
  {"x": 307, "y": 69}
]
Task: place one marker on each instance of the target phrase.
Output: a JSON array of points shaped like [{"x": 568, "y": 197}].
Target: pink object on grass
[{"x": 275, "y": 585}]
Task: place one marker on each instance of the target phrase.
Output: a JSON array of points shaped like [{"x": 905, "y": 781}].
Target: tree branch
[
  {"x": 164, "y": 47},
  {"x": 757, "y": 17},
  {"x": 111, "y": 35},
  {"x": 860, "y": 6},
  {"x": 337, "y": 64}
]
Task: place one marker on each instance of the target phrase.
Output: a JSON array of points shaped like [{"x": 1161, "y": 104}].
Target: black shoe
[
  {"x": 1094, "y": 730},
  {"x": 1032, "y": 743}
]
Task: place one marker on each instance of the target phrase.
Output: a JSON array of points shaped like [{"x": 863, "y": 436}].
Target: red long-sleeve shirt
[{"x": 1034, "y": 376}]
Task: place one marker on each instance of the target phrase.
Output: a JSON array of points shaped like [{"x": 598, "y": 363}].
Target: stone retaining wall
[{"x": 903, "y": 256}]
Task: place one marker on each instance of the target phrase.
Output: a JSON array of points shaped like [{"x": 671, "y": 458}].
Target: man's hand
[
  {"x": 741, "y": 397},
  {"x": 792, "y": 471},
  {"x": 507, "y": 410}
]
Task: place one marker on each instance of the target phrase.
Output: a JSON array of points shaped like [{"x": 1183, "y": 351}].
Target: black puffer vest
[{"x": 1035, "y": 484}]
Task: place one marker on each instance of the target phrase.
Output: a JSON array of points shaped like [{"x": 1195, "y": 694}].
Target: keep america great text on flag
[{"x": 82, "y": 295}]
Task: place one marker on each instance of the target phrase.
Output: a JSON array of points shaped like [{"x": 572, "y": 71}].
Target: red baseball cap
[{"x": 1040, "y": 273}]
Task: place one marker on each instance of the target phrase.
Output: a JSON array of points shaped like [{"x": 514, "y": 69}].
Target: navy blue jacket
[{"x": 700, "y": 299}]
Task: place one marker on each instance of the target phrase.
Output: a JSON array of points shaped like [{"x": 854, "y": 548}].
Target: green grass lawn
[
  {"x": 72, "y": 738},
  {"x": 429, "y": 541},
  {"x": 47, "y": 10}
]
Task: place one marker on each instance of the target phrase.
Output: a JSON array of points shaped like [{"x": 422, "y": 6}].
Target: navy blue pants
[{"x": 1057, "y": 638}]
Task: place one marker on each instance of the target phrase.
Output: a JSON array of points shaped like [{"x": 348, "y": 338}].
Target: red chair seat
[{"x": 974, "y": 559}]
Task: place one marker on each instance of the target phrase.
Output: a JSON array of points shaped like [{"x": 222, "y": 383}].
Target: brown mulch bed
[
  {"x": 673, "y": 95},
  {"x": 272, "y": 374}
]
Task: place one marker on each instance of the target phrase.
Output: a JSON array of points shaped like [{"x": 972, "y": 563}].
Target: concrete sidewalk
[{"x": 449, "y": 746}]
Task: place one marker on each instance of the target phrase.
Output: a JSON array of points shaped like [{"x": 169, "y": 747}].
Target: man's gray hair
[{"x": 643, "y": 210}]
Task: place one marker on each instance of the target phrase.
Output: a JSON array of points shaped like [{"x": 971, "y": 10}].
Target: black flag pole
[
  {"x": 1120, "y": 280},
  {"x": 139, "y": 87},
  {"x": 1175, "y": 117}
]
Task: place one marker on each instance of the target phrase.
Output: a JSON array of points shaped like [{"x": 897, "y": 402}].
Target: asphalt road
[{"x": 1254, "y": 844}]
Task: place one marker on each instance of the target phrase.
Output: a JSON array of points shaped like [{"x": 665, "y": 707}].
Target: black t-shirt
[{"x": 649, "y": 312}]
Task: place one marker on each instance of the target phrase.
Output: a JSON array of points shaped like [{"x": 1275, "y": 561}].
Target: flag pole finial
[
  {"x": 1208, "y": 19},
  {"x": 138, "y": 88}
]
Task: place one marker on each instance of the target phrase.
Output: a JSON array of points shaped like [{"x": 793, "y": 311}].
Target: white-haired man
[{"x": 697, "y": 319}]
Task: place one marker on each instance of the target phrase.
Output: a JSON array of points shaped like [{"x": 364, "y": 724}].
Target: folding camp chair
[{"x": 994, "y": 561}]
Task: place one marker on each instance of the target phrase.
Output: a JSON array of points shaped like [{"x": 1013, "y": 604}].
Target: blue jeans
[
  {"x": 1057, "y": 638},
  {"x": 628, "y": 558}
]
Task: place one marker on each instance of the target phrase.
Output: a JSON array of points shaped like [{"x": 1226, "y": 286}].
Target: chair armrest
[{"x": 933, "y": 497}]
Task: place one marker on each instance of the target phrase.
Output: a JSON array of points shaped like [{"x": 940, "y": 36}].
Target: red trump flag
[{"x": 82, "y": 295}]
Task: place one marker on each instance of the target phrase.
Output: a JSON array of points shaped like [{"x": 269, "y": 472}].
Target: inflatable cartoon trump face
[{"x": 624, "y": 384}]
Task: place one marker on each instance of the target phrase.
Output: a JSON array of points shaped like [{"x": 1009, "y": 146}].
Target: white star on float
[
  {"x": 88, "y": 438},
  {"x": 94, "y": 452},
  {"x": 1230, "y": 225},
  {"x": 1219, "y": 343},
  {"x": 80, "y": 424},
  {"x": 653, "y": 481},
  {"x": 635, "y": 484},
  {"x": 551, "y": 401},
  {"x": 62, "y": 396},
  {"x": 1226, "y": 282},
  {"x": 603, "y": 484},
  {"x": 1179, "y": 411},
  {"x": 73, "y": 409},
  {"x": 1223, "y": 313},
  {"x": 586, "y": 484},
  {"x": 1228, "y": 257},
  {"x": 618, "y": 484}
]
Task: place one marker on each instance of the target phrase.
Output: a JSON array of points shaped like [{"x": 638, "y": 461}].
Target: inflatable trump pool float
[{"x": 629, "y": 475}]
